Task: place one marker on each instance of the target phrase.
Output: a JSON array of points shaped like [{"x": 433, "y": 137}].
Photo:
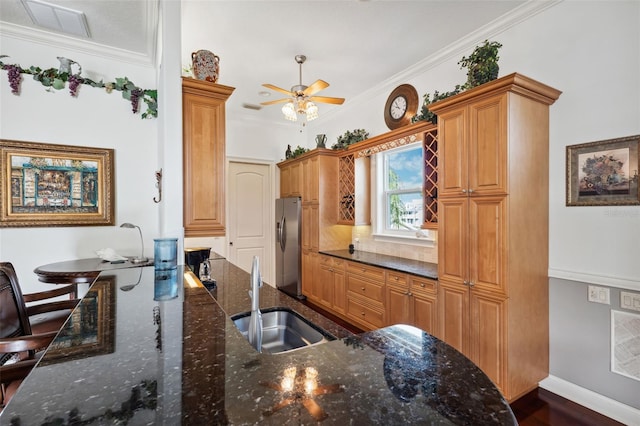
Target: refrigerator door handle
[{"x": 283, "y": 233}]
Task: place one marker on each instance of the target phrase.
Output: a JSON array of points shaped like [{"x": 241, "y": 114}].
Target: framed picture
[
  {"x": 90, "y": 329},
  {"x": 55, "y": 185},
  {"x": 603, "y": 173}
]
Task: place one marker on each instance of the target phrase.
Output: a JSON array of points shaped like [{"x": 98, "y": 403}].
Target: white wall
[{"x": 93, "y": 119}]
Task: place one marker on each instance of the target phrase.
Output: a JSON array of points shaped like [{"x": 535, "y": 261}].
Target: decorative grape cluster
[
  {"x": 74, "y": 81},
  {"x": 15, "y": 77},
  {"x": 135, "y": 99}
]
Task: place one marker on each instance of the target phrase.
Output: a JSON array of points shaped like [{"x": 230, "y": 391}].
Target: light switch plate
[
  {"x": 630, "y": 301},
  {"x": 599, "y": 294}
]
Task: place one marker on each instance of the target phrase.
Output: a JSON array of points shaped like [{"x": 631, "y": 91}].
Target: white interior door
[{"x": 250, "y": 216}]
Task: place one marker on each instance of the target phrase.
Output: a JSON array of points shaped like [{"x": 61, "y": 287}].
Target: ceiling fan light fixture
[
  {"x": 289, "y": 111},
  {"x": 311, "y": 111}
]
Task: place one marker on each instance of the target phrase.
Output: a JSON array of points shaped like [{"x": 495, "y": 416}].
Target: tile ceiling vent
[{"x": 57, "y": 18}]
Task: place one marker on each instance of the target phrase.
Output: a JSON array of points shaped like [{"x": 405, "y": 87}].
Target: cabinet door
[
  {"x": 309, "y": 269},
  {"x": 296, "y": 179},
  {"x": 324, "y": 284},
  {"x": 339, "y": 291},
  {"x": 453, "y": 315},
  {"x": 488, "y": 336},
  {"x": 397, "y": 305},
  {"x": 424, "y": 310},
  {"x": 306, "y": 227},
  {"x": 314, "y": 226},
  {"x": 452, "y": 239},
  {"x": 285, "y": 181},
  {"x": 488, "y": 146},
  {"x": 203, "y": 164},
  {"x": 452, "y": 153},
  {"x": 488, "y": 243},
  {"x": 310, "y": 171}
]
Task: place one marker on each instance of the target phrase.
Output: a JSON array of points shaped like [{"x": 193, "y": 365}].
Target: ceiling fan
[{"x": 301, "y": 98}]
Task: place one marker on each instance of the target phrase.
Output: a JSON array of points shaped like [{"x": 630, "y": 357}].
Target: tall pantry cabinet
[{"x": 493, "y": 186}]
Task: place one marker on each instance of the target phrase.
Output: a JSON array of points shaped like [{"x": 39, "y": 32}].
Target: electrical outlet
[
  {"x": 630, "y": 300},
  {"x": 599, "y": 294}
]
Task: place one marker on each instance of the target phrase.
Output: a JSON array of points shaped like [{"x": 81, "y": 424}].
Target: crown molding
[{"x": 56, "y": 40}]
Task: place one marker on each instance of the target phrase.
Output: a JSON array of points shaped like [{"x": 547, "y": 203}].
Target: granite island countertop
[
  {"x": 174, "y": 357},
  {"x": 400, "y": 264}
]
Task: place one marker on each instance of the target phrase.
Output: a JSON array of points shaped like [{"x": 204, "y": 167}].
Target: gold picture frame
[
  {"x": 604, "y": 173},
  {"x": 55, "y": 185},
  {"x": 90, "y": 329}
]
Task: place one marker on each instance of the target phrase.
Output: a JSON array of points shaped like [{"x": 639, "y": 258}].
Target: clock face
[{"x": 398, "y": 107}]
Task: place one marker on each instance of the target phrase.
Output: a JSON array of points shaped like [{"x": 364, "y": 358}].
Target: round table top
[{"x": 80, "y": 270}]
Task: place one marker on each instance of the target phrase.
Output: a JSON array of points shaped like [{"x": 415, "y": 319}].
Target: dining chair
[{"x": 27, "y": 327}]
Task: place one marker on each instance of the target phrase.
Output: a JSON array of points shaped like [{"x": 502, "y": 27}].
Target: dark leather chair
[{"x": 27, "y": 326}]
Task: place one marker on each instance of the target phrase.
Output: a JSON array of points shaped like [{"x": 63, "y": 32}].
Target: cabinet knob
[
  {"x": 465, "y": 282},
  {"x": 464, "y": 191},
  {"x": 362, "y": 288},
  {"x": 471, "y": 283},
  {"x": 362, "y": 313},
  {"x": 410, "y": 294},
  {"x": 407, "y": 294},
  {"x": 395, "y": 278},
  {"x": 470, "y": 191}
]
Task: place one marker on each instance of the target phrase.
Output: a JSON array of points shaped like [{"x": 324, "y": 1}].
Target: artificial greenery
[
  {"x": 350, "y": 137},
  {"x": 482, "y": 67},
  {"x": 297, "y": 152},
  {"x": 482, "y": 64},
  {"x": 57, "y": 79}
]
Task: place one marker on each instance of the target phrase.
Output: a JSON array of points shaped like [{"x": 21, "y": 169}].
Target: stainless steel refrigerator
[{"x": 288, "y": 246}]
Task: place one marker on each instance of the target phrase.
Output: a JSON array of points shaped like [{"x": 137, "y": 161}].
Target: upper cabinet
[{"x": 203, "y": 139}]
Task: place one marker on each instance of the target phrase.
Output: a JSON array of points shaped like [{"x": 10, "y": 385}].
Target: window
[{"x": 399, "y": 191}]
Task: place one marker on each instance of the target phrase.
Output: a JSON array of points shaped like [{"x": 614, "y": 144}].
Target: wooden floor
[{"x": 537, "y": 408}]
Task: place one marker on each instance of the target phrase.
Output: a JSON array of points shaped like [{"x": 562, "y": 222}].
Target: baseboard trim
[{"x": 594, "y": 401}]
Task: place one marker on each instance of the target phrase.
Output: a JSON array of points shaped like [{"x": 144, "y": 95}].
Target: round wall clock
[{"x": 401, "y": 106}]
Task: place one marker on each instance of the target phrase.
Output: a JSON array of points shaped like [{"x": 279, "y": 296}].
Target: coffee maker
[{"x": 194, "y": 257}]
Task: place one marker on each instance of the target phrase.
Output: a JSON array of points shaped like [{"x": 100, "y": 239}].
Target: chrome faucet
[{"x": 255, "y": 322}]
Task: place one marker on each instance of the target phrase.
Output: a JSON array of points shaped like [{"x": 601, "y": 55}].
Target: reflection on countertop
[
  {"x": 181, "y": 360},
  {"x": 400, "y": 264}
]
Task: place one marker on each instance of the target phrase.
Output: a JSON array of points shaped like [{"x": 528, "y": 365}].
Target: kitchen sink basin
[{"x": 283, "y": 330}]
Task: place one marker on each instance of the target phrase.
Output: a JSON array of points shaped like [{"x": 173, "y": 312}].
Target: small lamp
[{"x": 140, "y": 259}]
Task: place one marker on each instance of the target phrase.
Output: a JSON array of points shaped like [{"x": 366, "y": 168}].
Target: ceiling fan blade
[
  {"x": 277, "y": 101},
  {"x": 317, "y": 86},
  {"x": 278, "y": 89},
  {"x": 327, "y": 100}
]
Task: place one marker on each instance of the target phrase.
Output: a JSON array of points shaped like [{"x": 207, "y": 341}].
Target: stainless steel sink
[{"x": 284, "y": 330}]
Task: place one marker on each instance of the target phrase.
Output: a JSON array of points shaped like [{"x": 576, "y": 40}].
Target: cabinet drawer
[
  {"x": 366, "y": 271},
  {"x": 365, "y": 288},
  {"x": 363, "y": 313},
  {"x": 396, "y": 278},
  {"x": 423, "y": 285}
]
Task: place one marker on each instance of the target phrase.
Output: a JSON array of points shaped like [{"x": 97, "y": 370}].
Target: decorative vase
[
  {"x": 321, "y": 141},
  {"x": 206, "y": 65}
]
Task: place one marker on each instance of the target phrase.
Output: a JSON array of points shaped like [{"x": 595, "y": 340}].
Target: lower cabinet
[
  {"x": 332, "y": 283},
  {"x": 411, "y": 300},
  {"x": 473, "y": 322},
  {"x": 309, "y": 274},
  {"x": 365, "y": 295}
]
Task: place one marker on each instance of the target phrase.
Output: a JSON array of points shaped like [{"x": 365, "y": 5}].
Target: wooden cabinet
[
  {"x": 411, "y": 300},
  {"x": 493, "y": 228},
  {"x": 291, "y": 180},
  {"x": 365, "y": 287},
  {"x": 331, "y": 283},
  {"x": 313, "y": 177},
  {"x": 203, "y": 142}
]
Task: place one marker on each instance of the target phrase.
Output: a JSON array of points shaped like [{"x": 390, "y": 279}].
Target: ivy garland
[{"x": 57, "y": 79}]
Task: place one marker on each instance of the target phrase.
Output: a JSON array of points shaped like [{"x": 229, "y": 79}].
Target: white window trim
[{"x": 426, "y": 238}]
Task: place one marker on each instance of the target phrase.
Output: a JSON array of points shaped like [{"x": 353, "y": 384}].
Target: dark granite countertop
[
  {"x": 166, "y": 353},
  {"x": 400, "y": 264}
]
